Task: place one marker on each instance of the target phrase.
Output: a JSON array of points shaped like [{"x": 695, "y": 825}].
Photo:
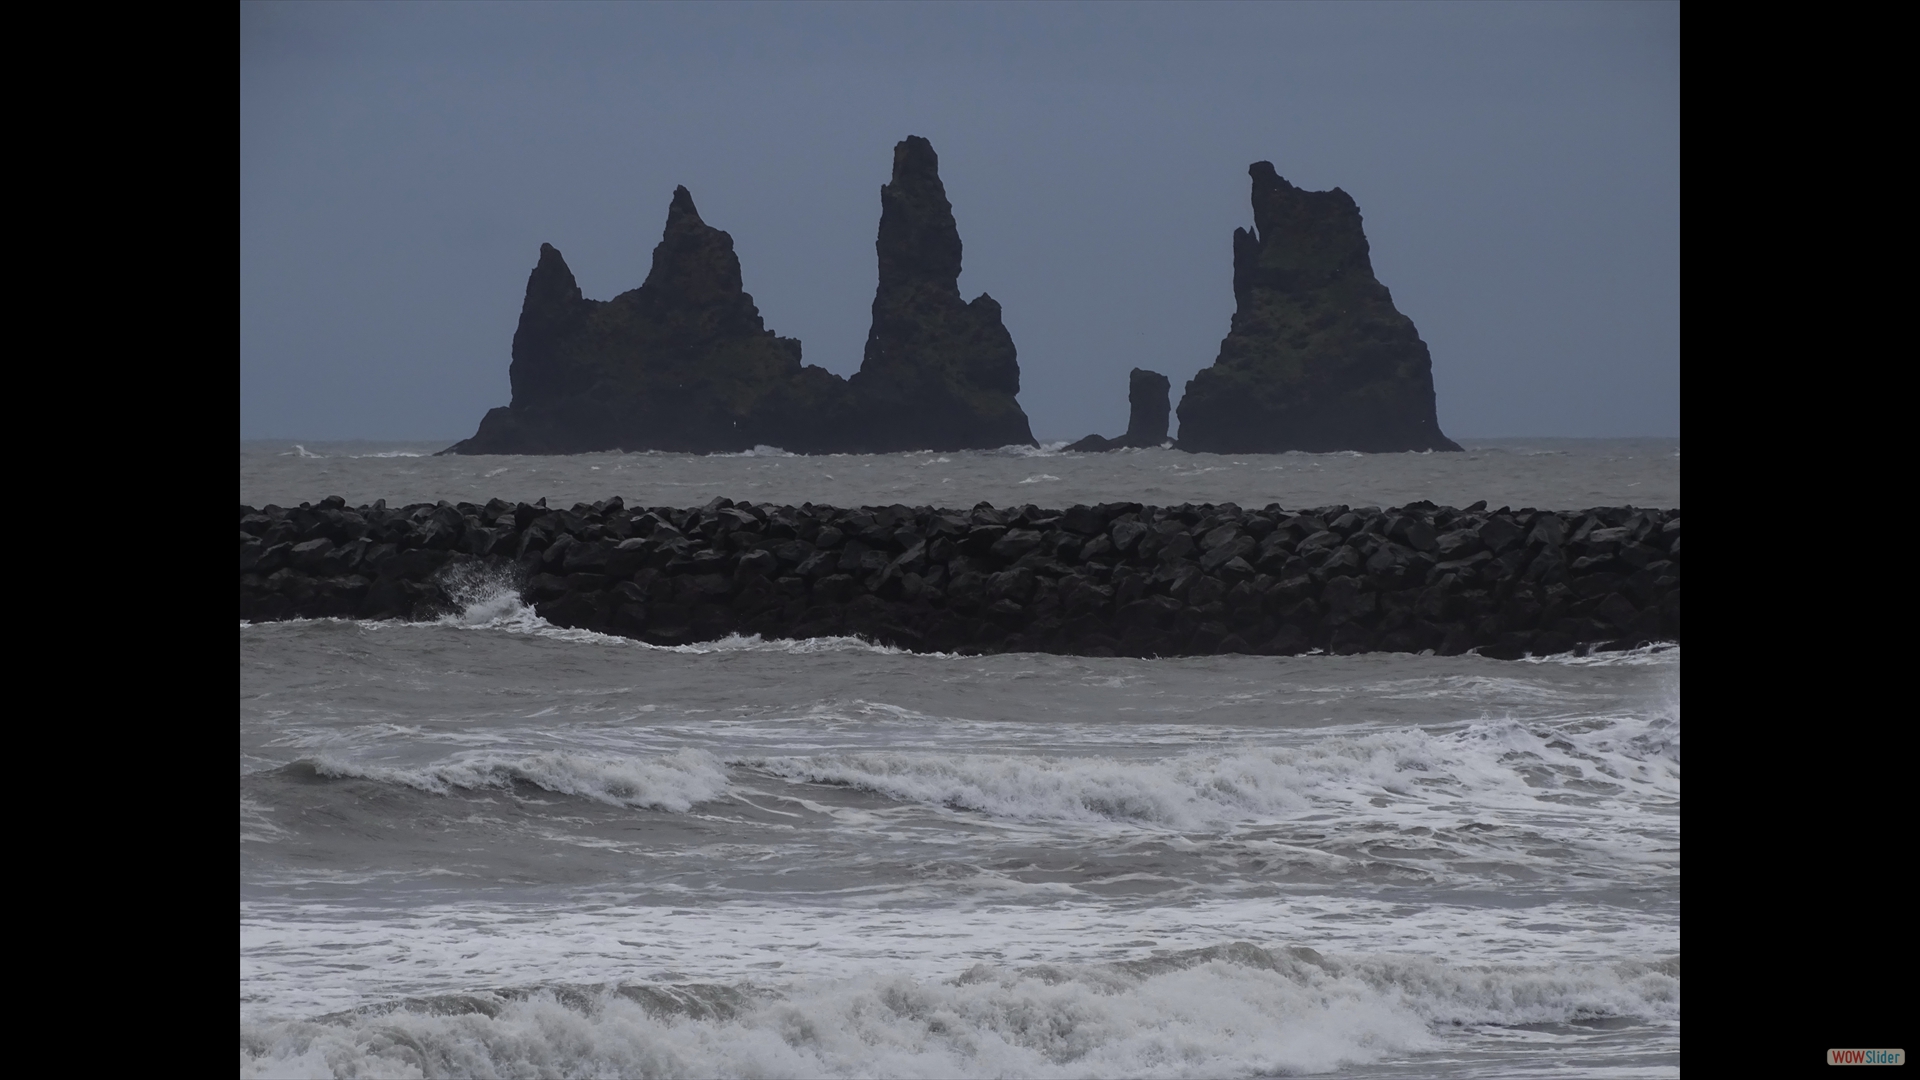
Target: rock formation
[
  {"x": 685, "y": 362},
  {"x": 1317, "y": 359},
  {"x": 1147, "y": 419},
  {"x": 939, "y": 373}
]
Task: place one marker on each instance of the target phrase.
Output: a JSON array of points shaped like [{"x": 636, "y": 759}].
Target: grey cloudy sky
[{"x": 1517, "y": 165}]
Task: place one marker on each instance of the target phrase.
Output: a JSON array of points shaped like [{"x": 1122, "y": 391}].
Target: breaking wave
[
  {"x": 1228, "y": 1010},
  {"x": 673, "y": 782},
  {"x": 490, "y": 600},
  {"x": 1503, "y": 761}
]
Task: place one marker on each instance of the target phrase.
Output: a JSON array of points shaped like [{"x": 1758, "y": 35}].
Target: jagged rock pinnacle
[
  {"x": 685, "y": 362},
  {"x": 1317, "y": 357},
  {"x": 938, "y": 373}
]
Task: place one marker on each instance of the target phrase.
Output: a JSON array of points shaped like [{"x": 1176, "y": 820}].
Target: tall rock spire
[
  {"x": 552, "y": 315},
  {"x": 938, "y": 373},
  {"x": 1317, "y": 357},
  {"x": 919, "y": 243}
]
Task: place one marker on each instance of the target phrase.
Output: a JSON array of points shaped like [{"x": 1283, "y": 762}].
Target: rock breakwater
[{"x": 1113, "y": 579}]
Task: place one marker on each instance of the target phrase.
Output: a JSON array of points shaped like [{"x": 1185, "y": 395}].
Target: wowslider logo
[{"x": 1866, "y": 1057}]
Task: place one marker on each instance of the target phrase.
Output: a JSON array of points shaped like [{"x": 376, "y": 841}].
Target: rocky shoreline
[{"x": 1113, "y": 579}]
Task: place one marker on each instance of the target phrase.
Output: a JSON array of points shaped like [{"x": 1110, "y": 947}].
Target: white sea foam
[
  {"x": 1658, "y": 653},
  {"x": 1220, "y": 1011},
  {"x": 800, "y": 646},
  {"x": 505, "y": 612},
  {"x": 508, "y": 613},
  {"x": 1191, "y": 792},
  {"x": 674, "y": 782},
  {"x": 1504, "y": 761},
  {"x": 491, "y": 601},
  {"x": 304, "y": 959},
  {"x": 1052, "y": 449}
]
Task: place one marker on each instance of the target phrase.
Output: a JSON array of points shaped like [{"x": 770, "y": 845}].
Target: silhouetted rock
[
  {"x": 1147, "y": 419},
  {"x": 685, "y": 362},
  {"x": 1318, "y": 358},
  {"x": 1147, "y": 399},
  {"x": 939, "y": 373}
]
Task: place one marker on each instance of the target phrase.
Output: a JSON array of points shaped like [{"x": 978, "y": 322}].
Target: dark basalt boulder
[
  {"x": 1147, "y": 420},
  {"x": 685, "y": 362},
  {"x": 939, "y": 373},
  {"x": 1317, "y": 358}
]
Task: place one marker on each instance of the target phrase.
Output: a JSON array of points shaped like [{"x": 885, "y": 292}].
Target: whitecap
[
  {"x": 1225, "y": 1010},
  {"x": 673, "y": 782}
]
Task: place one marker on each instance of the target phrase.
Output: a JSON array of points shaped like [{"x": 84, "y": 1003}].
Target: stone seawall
[{"x": 1114, "y": 579}]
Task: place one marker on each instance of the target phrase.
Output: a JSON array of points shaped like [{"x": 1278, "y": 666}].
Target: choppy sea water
[
  {"x": 1548, "y": 474},
  {"x": 487, "y": 846}
]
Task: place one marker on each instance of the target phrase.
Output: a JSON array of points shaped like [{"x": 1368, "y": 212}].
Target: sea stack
[
  {"x": 684, "y": 362},
  {"x": 1317, "y": 358},
  {"x": 939, "y": 373},
  {"x": 1147, "y": 415}
]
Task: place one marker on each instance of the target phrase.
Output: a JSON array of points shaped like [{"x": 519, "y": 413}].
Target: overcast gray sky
[{"x": 1517, "y": 165}]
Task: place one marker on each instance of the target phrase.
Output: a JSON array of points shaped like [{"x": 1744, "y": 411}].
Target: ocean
[{"x": 487, "y": 846}]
